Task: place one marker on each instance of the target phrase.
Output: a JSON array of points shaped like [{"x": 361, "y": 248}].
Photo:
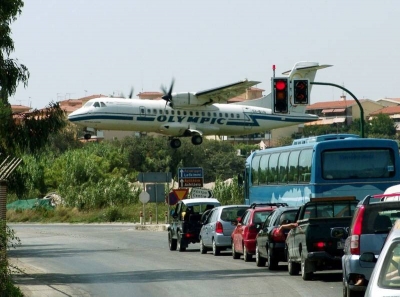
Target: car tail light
[
  {"x": 219, "y": 228},
  {"x": 356, "y": 232},
  {"x": 320, "y": 245},
  {"x": 189, "y": 235},
  {"x": 278, "y": 235}
]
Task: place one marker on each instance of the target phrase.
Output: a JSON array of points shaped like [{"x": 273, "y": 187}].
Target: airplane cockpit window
[
  {"x": 102, "y": 104},
  {"x": 88, "y": 104},
  {"x": 96, "y": 104}
]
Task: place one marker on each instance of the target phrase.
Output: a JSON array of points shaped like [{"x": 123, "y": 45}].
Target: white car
[{"x": 385, "y": 278}]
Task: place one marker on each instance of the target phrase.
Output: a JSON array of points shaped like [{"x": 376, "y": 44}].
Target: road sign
[
  {"x": 144, "y": 197},
  {"x": 190, "y": 182},
  {"x": 154, "y": 177},
  {"x": 200, "y": 193},
  {"x": 180, "y": 193},
  {"x": 172, "y": 199},
  {"x": 190, "y": 172},
  {"x": 190, "y": 177}
]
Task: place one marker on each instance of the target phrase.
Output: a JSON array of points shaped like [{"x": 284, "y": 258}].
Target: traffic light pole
[{"x": 358, "y": 102}]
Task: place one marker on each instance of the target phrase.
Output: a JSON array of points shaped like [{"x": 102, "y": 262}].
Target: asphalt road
[{"x": 118, "y": 260}]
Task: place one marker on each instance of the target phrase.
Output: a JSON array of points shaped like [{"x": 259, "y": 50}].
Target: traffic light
[
  {"x": 280, "y": 87},
  {"x": 300, "y": 91}
]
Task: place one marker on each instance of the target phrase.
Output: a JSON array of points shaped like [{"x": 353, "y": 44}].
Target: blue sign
[{"x": 190, "y": 172}]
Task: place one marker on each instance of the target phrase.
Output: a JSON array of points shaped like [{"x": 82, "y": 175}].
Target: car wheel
[
  {"x": 181, "y": 248},
  {"x": 304, "y": 267},
  {"x": 260, "y": 261},
  {"x": 203, "y": 249},
  {"x": 246, "y": 256},
  {"x": 171, "y": 242},
  {"x": 272, "y": 262},
  {"x": 215, "y": 249},
  {"x": 293, "y": 267},
  {"x": 344, "y": 289},
  {"x": 234, "y": 254}
]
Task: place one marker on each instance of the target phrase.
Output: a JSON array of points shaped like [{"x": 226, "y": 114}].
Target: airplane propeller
[
  {"x": 168, "y": 95},
  {"x": 131, "y": 93}
]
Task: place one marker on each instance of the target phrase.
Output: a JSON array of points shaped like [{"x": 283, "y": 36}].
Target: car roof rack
[{"x": 279, "y": 204}]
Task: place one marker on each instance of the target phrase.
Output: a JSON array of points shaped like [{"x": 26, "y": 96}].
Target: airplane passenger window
[
  {"x": 203, "y": 113},
  {"x": 161, "y": 112},
  {"x": 166, "y": 112},
  {"x": 191, "y": 113},
  {"x": 172, "y": 112},
  {"x": 179, "y": 112},
  {"x": 209, "y": 114},
  {"x": 184, "y": 112},
  {"x": 142, "y": 111},
  {"x": 215, "y": 114},
  {"x": 149, "y": 110},
  {"x": 238, "y": 115},
  {"x": 226, "y": 115},
  {"x": 232, "y": 115},
  {"x": 220, "y": 115},
  {"x": 96, "y": 104},
  {"x": 155, "y": 111},
  {"x": 197, "y": 113},
  {"x": 102, "y": 104}
]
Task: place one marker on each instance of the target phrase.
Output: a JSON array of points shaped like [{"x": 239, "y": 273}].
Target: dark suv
[
  {"x": 270, "y": 241},
  {"x": 185, "y": 226},
  {"x": 372, "y": 220}
]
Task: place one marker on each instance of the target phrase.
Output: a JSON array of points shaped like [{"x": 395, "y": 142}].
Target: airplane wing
[{"x": 224, "y": 93}]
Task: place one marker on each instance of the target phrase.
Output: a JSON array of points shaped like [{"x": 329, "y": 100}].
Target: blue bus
[{"x": 322, "y": 166}]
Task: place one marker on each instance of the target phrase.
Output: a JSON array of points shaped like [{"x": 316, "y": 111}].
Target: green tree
[{"x": 382, "y": 126}]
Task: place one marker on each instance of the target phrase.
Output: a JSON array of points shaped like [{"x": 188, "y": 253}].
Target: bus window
[
  {"x": 293, "y": 167},
  {"x": 283, "y": 169},
  {"x": 255, "y": 165},
  {"x": 305, "y": 166},
  {"x": 358, "y": 164},
  {"x": 264, "y": 169},
  {"x": 273, "y": 169}
]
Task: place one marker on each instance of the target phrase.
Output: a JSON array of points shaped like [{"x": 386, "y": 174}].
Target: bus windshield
[{"x": 357, "y": 163}]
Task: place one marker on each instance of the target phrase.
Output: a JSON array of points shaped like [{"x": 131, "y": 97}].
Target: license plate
[{"x": 340, "y": 245}]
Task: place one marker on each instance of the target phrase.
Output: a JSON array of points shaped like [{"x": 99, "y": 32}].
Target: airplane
[{"x": 197, "y": 114}]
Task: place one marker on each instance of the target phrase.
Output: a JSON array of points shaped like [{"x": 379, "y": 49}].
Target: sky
[{"x": 78, "y": 48}]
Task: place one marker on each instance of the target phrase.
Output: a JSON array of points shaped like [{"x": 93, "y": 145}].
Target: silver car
[
  {"x": 385, "y": 278},
  {"x": 215, "y": 234}
]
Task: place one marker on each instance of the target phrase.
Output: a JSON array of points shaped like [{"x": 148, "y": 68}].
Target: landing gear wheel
[
  {"x": 171, "y": 242},
  {"x": 216, "y": 250},
  {"x": 260, "y": 261},
  {"x": 181, "y": 248},
  {"x": 246, "y": 256},
  {"x": 197, "y": 139},
  {"x": 272, "y": 263},
  {"x": 175, "y": 143},
  {"x": 87, "y": 136},
  {"x": 203, "y": 249},
  {"x": 234, "y": 254}
]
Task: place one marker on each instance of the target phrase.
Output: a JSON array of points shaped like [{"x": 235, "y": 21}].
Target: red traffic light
[{"x": 280, "y": 85}]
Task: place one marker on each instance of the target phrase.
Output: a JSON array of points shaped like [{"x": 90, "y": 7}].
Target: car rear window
[
  {"x": 379, "y": 218},
  {"x": 231, "y": 214},
  {"x": 261, "y": 216}
]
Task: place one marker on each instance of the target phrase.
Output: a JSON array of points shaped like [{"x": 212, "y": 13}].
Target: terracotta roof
[
  {"x": 333, "y": 104},
  {"x": 387, "y": 110},
  {"x": 19, "y": 108}
]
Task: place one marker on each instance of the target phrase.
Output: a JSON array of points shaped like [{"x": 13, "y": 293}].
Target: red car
[{"x": 244, "y": 235}]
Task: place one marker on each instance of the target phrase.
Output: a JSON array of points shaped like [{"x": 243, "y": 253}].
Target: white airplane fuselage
[{"x": 155, "y": 116}]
